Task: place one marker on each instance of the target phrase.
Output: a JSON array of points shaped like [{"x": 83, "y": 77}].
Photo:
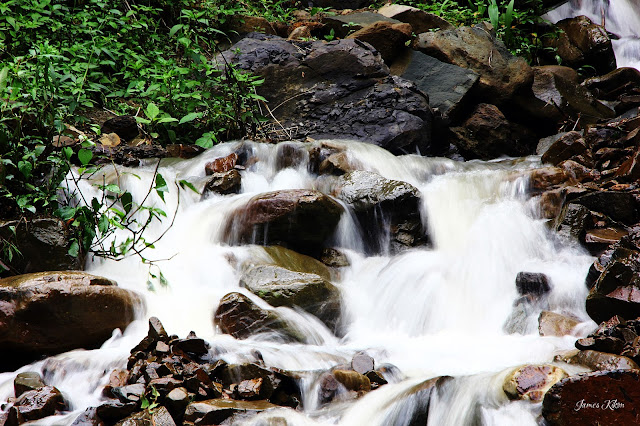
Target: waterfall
[
  {"x": 438, "y": 311},
  {"x": 620, "y": 17}
]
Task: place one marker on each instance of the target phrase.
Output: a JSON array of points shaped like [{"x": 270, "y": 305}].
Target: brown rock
[
  {"x": 216, "y": 411},
  {"x": 553, "y": 324},
  {"x": 530, "y": 382},
  {"x": 221, "y": 164},
  {"x": 299, "y": 33},
  {"x": 420, "y": 21},
  {"x": 389, "y": 39},
  {"x": 52, "y": 312},
  {"x": 37, "y": 404},
  {"x": 564, "y": 148},
  {"x": 223, "y": 183},
  {"x": 157, "y": 417},
  {"x": 352, "y": 380},
  {"x": 243, "y": 24},
  {"x": 629, "y": 171},
  {"x": 603, "y": 361},
  {"x": 602, "y": 397},
  {"x": 605, "y": 235},
  {"x": 550, "y": 203},
  {"x": 547, "y": 177},
  {"x": 27, "y": 381}
]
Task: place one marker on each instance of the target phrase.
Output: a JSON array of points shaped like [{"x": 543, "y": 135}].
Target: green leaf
[
  {"x": 84, "y": 155},
  {"x": 68, "y": 152},
  {"x": 167, "y": 120},
  {"x": 74, "y": 249},
  {"x": 103, "y": 224},
  {"x": 25, "y": 168},
  {"x": 189, "y": 185},
  {"x": 190, "y": 117},
  {"x": 152, "y": 111},
  {"x": 161, "y": 186},
  {"x": 112, "y": 187},
  {"x": 127, "y": 201},
  {"x": 175, "y": 29},
  {"x": 3, "y": 78},
  {"x": 66, "y": 212},
  {"x": 142, "y": 120}
]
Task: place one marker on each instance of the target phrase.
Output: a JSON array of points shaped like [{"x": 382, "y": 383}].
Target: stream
[{"x": 445, "y": 310}]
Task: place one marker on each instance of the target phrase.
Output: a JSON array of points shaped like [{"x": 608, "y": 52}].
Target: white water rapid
[
  {"x": 429, "y": 312},
  {"x": 620, "y": 17}
]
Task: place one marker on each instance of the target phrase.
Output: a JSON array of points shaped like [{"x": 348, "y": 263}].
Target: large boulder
[
  {"x": 619, "y": 206},
  {"x": 501, "y": 74},
  {"x": 602, "y": 397},
  {"x": 420, "y": 21},
  {"x": 389, "y": 39},
  {"x": 36, "y": 404},
  {"x": 530, "y": 382},
  {"x": 620, "y": 86},
  {"x": 448, "y": 85},
  {"x": 345, "y": 24},
  {"x": 487, "y": 134},
  {"x": 300, "y": 219},
  {"x": 386, "y": 205},
  {"x": 582, "y": 42},
  {"x": 340, "y": 89},
  {"x": 52, "y": 312},
  {"x": 282, "y": 287},
  {"x": 216, "y": 411}
]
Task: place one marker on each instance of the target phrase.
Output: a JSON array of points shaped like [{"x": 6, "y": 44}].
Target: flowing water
[
  {"x": 447, "y": 310},
  {"x": 620, "y": 17}
]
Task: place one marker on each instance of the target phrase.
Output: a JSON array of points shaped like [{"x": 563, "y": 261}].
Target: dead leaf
[{"x": 110, "y": 139}]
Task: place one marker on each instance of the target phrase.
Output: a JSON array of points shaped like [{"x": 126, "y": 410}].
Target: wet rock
[
  {"x": 362, "y": 363},
  {"x": 550, "y": 203},
  {"x": 578, "y": 172},
  {"x": 113, "y": 410},
  {"x": 341, "y": 89},
  {"x": 223, "y": 183},
  {"x": 192, "y": 345},
  {"x": 604, "y": 235},
  {"x": 337, "y": 164},
  {"x": 420, "y": 21},
  {"x": 329, "y": 388},
  {"x": 601, "y": 343},
  {"x": 381, "y": 203},
  {"x": 157, "y": 417},
  {"x": 129, "y": 393},
  {"x": 619, "y": 206},
  {"x": 129, "y": 156},
  {"x": 221, "y": 164},
  {"x": 545, "y": 143},
  {"x": 501, "y": 74},
  {"x": 300, "y": 219},
  {"x": 88, "y": 418},
  {"x": 27, "y": 381},
  {"x": 584, "y": 43},
  {"x": 603, "y": 361},
  {"x": 448, "y": 86},
  {"x": 619, "y": 85},
  {"x": 289, "y": 259},
  {"x": 239, "y": 316},
  {"x": 629, "y": 171},
  {"x": 334, "y": 258},
  {"x": 43, "y": 243},
  {"x": 487, "y": 134},
  {"x": 547, "y": 177},
  {"x": 533, "y": 283},
  {"x": 343, "y": 25},
  {"x": 573, "y": 221},
  {"x": 37, "y": 404},
  {"x": 388, "y": 38},
  {"x": 282, "y": 287},
  {"x": 184, "y": 150},
  {"x": 125, "y": 126},
  {"x": 531, "y": 382},
  {"x": 52, "y": 312},
  {"x": 553, "y": 324},
  {"x": 376, "y": 378},
  {"x": 216, "y": 411},
  {"x": 569, "y": 145},
  {"x": 291, "y": 154},
  {"x": 352, "y": 380},
  {"x": 602, "y": 397},
  {"x": 560, "y": 98},
  {"x": 177, "y": 401}
]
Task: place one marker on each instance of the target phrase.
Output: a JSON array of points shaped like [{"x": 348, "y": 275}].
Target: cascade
[
  {"x": 620, "y": 17},
  {"x": 443, "y": 310}
]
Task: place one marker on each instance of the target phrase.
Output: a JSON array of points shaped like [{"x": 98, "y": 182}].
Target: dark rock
[
  {"x": 334, "y": 258},
  {"x": 40, "y": 403},
  {"x": 487, "y": 134},
  {"x": 533, "y": 283},
  {"x": 113, "y": 410},
  {"x": 362, "y": 363},
  {"x": 129, "y": 156},
  {"x": 239, "y": 316},
  {"x": 291, "y": 154},
  {"x": 300, "y": 219},
  {"x": 545, "y": 143},
  {"x": 447, "y": 85},
  {"x": 216, "y": 411},
  {"x": 603, "y": 361},
  {"x": 340, "y": 89},
  {"x": 343, "y": 25},
  {"x": 177, "y": 401},
  {"x": 52, "y": 312},
  {"x": 157, "y": 417},
  {"x": 125, "y": 126},
  {"x": 602, "y": 397},
  {"x": 601, "y": 343},
  {"x": 184, "y": 151},
  {"x": 376, "y": 379},
  {"x": 223, "y": 183},
  {"x": 156, "y": 330},
  {"x": 387, "y": 38},
  {"x": 617, "y": 290},
  {"x": 573, "y": 221},
  {"x": 282, "y": 287},
  {"x": 547, "y": 177},
  {"x": 329, "y": 388},
  {"x": 619, "y": 206},
  {"x": 560, "y": 98},
  {"x": 570, "y": 144},
  {"x": 389, "y": 205},
  {"x": 618, "y": 85},
  {"x": 129, "y": 393},
  {"x": 243, "y": 24},
  {"x": 501, "y": 74},
  {"x": 530, "y": 382},
  {"x": 420, "y": 21},
  {"x": 88, "y": 418},
  {"x": 43, "y": 242},
  {"x": 192, "y": 344},
  {"x": 27, "y": 381},
  {"x": 553, "y": 324},
  {"x": 604, "y": 235},
  {"x": 584, "y": 43},
  {"x": 221, "y": 165}
]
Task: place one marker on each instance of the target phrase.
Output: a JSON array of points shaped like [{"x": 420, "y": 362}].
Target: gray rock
[
  {"x": 282, "y": 287},
  {"x": 215, "y": 411},
  {"x": 157, "y": 417},
  {"x": 27, "y": 381},
  {"x": 573, "y": 221},
  {"x": 420, "y": 21},
  {"x": 343, "y": 25},
  {"x": 447, "y": 85}
]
